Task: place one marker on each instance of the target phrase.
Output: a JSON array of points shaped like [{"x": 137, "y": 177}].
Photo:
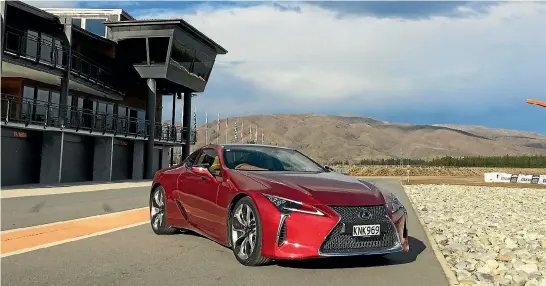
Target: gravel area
[{"x": 489, "y": 236}]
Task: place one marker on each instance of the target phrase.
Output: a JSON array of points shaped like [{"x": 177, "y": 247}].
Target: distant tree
[{"x": 525, "y": 161}]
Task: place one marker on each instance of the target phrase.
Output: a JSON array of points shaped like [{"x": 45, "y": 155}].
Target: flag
[
  {"x": 195, "y": 125},
  {"x": 206, "y": 128},
  {"x": 235, "y": 131}
]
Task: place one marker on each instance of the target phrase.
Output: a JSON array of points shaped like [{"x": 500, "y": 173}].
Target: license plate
[{"x": 367, "y": 230}]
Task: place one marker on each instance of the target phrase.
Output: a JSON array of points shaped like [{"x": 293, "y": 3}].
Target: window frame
[{"x": 203, "y": 150}]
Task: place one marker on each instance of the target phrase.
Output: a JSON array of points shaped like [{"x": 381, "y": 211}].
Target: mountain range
[{"x": 329, "y": 138}]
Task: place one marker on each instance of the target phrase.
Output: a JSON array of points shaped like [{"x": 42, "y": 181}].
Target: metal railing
[
  {"x": 86, "y": 68},
  {"x": 30, "y": 47},
  {"x": 53, "y": 53},
  {"x": 49, "y": 115}
]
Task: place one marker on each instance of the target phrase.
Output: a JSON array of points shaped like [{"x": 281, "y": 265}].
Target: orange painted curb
[{"x": 41, "y": 235}]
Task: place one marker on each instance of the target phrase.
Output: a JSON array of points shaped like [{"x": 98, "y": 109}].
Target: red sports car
[{"x": 269, "y": 202}]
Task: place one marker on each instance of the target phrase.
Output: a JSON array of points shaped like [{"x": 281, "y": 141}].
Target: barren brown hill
[{"x": 330, "y": 138}]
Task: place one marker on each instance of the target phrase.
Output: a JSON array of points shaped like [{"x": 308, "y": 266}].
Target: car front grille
[{"x": 340, "y": 241}]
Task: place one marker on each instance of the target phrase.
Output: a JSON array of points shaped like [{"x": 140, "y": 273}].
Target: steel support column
[
  {"x": 3, "y": 24},
  {"x": 173, "y": 122},
  {"x": 66, "y": 76},
  {"x": 186, "y": 125},
  {"x": 150, "y": 116}
]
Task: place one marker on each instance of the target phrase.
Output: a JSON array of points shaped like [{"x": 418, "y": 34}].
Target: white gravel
[{"x": 488, "y": 235}]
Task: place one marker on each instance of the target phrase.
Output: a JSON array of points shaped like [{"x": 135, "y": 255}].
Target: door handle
[{"x": 204, "y": 178}]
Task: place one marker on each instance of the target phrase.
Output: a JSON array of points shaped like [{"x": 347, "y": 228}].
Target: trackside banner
[{"x": 495, "y": 177}]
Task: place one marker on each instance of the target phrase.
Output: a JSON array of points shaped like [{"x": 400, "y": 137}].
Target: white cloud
[
  {"x": 51, "y": 4},
  {"x": 316, "y": 55}
]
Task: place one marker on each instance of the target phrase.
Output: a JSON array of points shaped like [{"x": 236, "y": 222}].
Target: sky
[{"x": 472, "y": 63}]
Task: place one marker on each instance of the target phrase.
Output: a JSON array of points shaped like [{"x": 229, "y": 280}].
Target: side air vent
[
  {"x": 281, "y": 233},
  {"x": 181, "y": 209}
]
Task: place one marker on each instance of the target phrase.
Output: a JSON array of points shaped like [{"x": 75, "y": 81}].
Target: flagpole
[
  {"x": 262, "y": 136},
  {"x": 195, "y": 126},
  {"x": 182, "y": 130},
  {"x": 243, "y": 132},
  {"x": 227, "y": 127},
  {"x": 218, "y": 129},
  {"x": 206, "y": 128}
]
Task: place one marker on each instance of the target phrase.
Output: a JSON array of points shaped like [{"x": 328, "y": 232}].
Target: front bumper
[{"x": 303, "y": 236}]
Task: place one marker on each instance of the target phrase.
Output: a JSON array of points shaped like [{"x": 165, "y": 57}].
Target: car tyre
[
  {"x": 158, "y": 217},
  {"x": 245, "y": 233}
]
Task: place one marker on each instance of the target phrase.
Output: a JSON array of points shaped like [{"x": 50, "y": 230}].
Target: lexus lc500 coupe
[{"x": 274, "y": 203}]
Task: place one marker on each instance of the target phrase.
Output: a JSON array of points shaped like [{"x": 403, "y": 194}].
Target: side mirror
[{"x": 203, "y": 170}]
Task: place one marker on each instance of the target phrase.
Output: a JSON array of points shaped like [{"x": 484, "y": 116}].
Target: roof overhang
[
  {"x": 91, "y": 35},
  {"x": 88, "y": 12},
  {"x": 185, "y": 26},
  {"x": 33, "y": 10}
]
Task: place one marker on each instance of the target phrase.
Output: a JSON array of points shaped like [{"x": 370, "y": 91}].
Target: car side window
[
  {"x": 188, "y": 162},
  {"x": 210, "y": 157}
]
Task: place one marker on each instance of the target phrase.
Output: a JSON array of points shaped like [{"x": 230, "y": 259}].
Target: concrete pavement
[
  {"x": 36, "y": 210},
  {"x": 136, "y": 256}
]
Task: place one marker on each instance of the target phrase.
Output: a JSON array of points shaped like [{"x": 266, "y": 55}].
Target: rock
[
  {"x": 510, "y": 244},
  {"x": 484, "y": 269},
  {"x": 493, "y": 264},
  {"x": 528, "y": 268},
  {"x": 461, "y": 265},
  {"x": 504, "y": 257},
  {"x": 489, "y": 236},
  {"x": 485, "y": 277},
  {"x": 519, "y": 280},
  {"x": 466, "y": 282}
]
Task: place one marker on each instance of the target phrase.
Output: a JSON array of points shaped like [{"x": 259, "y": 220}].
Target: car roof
[{"x": 248, "y": 145}]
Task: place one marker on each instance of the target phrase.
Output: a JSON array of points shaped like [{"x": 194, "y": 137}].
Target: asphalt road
[
  {"x": 37, "y": 210},
  {"x": 136, "y": 256}
]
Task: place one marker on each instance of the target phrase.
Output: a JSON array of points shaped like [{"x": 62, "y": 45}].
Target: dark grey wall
[
  {"x": 21, "y": 157},
  {"x": 123, "y": 160},
  {"x": 157, "y": 158},
  {"x": 52, "y": 149},
  {"x": 165, "y": 158},
  {"x": 138, "y": 160},
  {"x": 77, "y": 158},
  {"x": 102, "y": 162}
]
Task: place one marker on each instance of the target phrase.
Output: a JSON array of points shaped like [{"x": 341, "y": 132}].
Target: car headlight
[
  {"x": 287, "y": 206},
  {"x": 395, "y": 204}
]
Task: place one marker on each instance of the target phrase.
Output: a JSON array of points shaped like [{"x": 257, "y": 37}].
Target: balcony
[
  {"x": 94, "y": 73},
  {"x": 28, "y": 46},
  {"x": 33, "y": 113},
  {"x": 49, "y": 54}
]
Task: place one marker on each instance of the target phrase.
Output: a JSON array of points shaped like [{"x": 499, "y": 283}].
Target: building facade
[{"x": 82, "y": 93}]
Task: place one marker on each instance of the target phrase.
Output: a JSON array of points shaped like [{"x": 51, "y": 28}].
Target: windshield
[{"x": 259, "y": 158}]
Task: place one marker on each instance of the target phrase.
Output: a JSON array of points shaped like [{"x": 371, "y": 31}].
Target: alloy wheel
[
  {"x": 157, "y": 209},
  {"x": 243, "y": 231}
]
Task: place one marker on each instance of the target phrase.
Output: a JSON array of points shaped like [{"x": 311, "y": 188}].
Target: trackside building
[{"x": 82, "y": 93}]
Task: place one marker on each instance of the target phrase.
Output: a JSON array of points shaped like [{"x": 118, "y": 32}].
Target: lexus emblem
[{"x": 365, "y": 215}]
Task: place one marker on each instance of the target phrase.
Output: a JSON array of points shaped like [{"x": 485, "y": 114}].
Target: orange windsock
[{"x": 536, "y": 102}]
